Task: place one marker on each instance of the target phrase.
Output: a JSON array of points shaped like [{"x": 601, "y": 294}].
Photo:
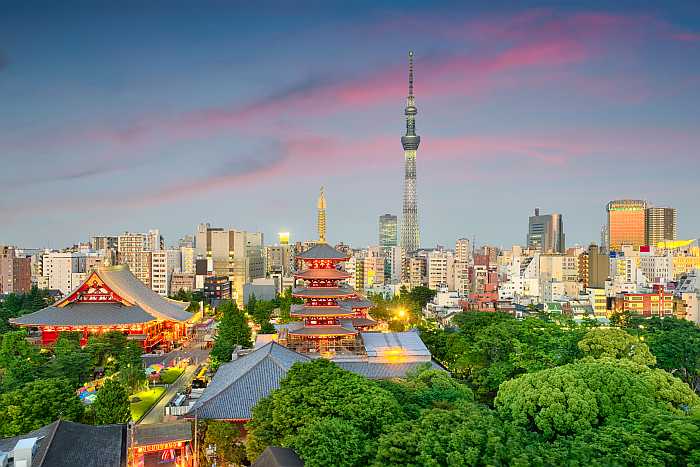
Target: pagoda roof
[
  {"x": 311, "y": 292},
  {"x": 303, "y": 310},
  {"x": 315, "y": 330},
  {"x": 333, "y": 273},
  {"x": 355, "y": 303},
  {"x": 118, "y": 284},
  {"x": 86, "y": 314},
  {"x": 238, "y": 385},
  {"x": 323, "y": 251},
  {"x": 362, "y": 322}
]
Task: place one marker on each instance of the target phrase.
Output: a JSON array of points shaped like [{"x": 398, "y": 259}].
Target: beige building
[
  {"x": 440, "y": 270},
  {"x": 236, "y": 254}
]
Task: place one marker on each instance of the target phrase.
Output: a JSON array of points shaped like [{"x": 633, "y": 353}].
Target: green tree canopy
[
  {"x": 615, "y": 343},
  {"x": 112, "y": 404},
  {"x": 317, "y": 390},
  {"x": 38, "y": 403},
  {"x": 574, "y": 398},
  {"x": 20, "y": 361},
  {"x": 233, "y": 330},
  {"x": 330, "y": 441},
  {"x": 228, "y": 439},
  {"x": 70, "y": 361}
]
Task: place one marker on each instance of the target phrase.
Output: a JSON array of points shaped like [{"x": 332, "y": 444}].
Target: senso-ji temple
[{"x": 112, "y": 299}]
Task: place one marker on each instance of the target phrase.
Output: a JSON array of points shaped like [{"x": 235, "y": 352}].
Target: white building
[
  {"x": 441, "y": 269},
  {"x": 63, "y": 271},
  {"x": 163, "y": 264}
]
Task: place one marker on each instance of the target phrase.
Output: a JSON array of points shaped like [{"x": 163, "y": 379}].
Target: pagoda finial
[
  {"x": 321, "y": 217},
  {"x": 410, "y": 73}
]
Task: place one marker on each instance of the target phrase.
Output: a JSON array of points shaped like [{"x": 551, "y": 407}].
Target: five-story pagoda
[{"x": 332, "y": 313}]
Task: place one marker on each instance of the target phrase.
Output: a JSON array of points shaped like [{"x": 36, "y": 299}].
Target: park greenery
[
  {"x": 233, "y": 331},
  {"x": 404, "y": 311},
  {"x": 543, "y": 390}
]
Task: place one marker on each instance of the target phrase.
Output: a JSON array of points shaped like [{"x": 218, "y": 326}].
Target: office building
[
  {"x": 626, "y": 223},
  {"x": 235, "y": 254},
  {"x": 388, "y": 233},
  {"x": 545, "y": 233},
  {"x": 15, "y": 271},
  {"x": 661, "y": 225}
]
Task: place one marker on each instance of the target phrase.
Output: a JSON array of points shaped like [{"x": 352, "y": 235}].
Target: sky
[{"x": 128, "y": 116}]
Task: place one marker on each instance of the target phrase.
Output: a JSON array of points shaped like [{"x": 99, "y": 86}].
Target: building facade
[
  {"x": 545, "y": 233},
  {"x": 661, "y": 224},
  {"x": 15, "y": 271},
  {"x": 626, "y": 223}
]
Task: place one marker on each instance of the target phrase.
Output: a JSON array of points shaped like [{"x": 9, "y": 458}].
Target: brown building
[
  {"x": 659, "y": 303},
  {"x": 661, "y": 225},
  {"x": 15, "y": 273},
  {"x": 626, "y": 223},
  {"x": 593, "y": 267}
]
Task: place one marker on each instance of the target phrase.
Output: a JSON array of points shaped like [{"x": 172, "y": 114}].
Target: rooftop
[{"x": 323, "y": 251}]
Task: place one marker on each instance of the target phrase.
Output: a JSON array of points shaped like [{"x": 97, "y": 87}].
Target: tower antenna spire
[{"x": 410, "y": 73}]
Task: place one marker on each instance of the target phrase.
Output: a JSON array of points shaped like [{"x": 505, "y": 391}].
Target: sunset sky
[{"x": 164, "y": 115}]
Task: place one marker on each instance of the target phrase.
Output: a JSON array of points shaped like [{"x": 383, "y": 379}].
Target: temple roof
[
  {"x": 355, "y": 303},
  {"x": 122, "y": 282},
  {"x": 274, "y": 456},
  {"x": 154, "y": 433},
  {"x": 86, "y": 314},
  {"x": 303, "y": 310},
  {"x": 68, "y": 444},
  {"x": 333, "y": 273},
  {"x": 315, "y": 330},
  {"x": 323, "y": 251},
  {"x": 330, "y": 292},
  {"x": 385, "y": 370},
  {"x": 381, "y": 344},
  {"x": 362, "y": 322},
  {"x": 238, "y": 385}
]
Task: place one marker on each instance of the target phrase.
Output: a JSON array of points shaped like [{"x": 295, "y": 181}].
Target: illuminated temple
[{"x": 112, "y": 299}]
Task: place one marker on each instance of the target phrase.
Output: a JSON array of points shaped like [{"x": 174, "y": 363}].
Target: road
[{"x": 157, "y": 411}]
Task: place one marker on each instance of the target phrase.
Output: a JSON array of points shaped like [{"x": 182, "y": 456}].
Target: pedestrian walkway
[{"x": 156, "y": 414}]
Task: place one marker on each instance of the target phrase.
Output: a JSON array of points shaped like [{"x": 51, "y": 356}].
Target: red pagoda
[
  {"x": 112, "y": 299},
  {"x": 332, "y": 314}
]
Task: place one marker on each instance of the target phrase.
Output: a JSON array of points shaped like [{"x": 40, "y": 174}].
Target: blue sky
[{"x": 128, "y": 116}]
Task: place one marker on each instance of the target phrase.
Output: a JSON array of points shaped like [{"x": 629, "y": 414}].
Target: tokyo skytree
[{"x": 410, "y": 232}]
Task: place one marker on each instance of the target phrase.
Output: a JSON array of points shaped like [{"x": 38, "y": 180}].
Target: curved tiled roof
[
  {"x": 124, "y": 283},
  {"x": 355, "y": 303},
  {"x": 333, "y": 273},
  {"x": 85, "y": 314},
  {"x": 323, "y": 331},
  {"x": 303, "y": 310},
  {"x": 323, "y": 251},
  {"x": 238, "y": 385},
  {"x": 311, "y": 292}
]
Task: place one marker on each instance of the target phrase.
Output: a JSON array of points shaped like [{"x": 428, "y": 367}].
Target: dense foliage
[
  {"x": 538, "y": 391},
  {"x": 112, "y": 404},
  {"x": 233, "y": 330},
  {"x": 17, "y": 304}
]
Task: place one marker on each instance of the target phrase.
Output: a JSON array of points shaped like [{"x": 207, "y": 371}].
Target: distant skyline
[{"x": 138, "y": 115}]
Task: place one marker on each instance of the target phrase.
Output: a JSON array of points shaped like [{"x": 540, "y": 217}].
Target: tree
[
  {"x": 20, "y": 361},
  {"x": 615, "y": 343},
  {"x": 233, "y": 330},
  {"x": 330, "y": 441},
  {"x": 676, "y": 345},
  {"x": 421, "y": 295},
  {"x": 36, "y": 404},
  {"x": 228, "y": 440},
  {"x": 467, "y": 435},
  {"x": 130, "y": 366},
  {"x": 70, "y": 361},
  {"x": 575, "y": 398},
  {"x": 112, "y": 404},
  {"x": 316, "y": 390}
]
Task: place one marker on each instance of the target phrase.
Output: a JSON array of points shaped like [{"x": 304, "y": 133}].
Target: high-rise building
[
  {"x": 545, "y": 233},
  {"x": 64, "y": 270},
  {"x": 15, "y": 271},
  {"x": 134, "y": 250},
  {"x": 235, "y": 254},
  {"x": 388, "y": 234},
  {"x": 661, "y": 225},
  {"x": 163, "y": 264},
  {"x": 463, "y": 250},
  {"x": 626, "y": 223},
  {"x": 440, "y": 270},
  {"x": 104, "y": 242},
  {"x": 410, "y": 232}
]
